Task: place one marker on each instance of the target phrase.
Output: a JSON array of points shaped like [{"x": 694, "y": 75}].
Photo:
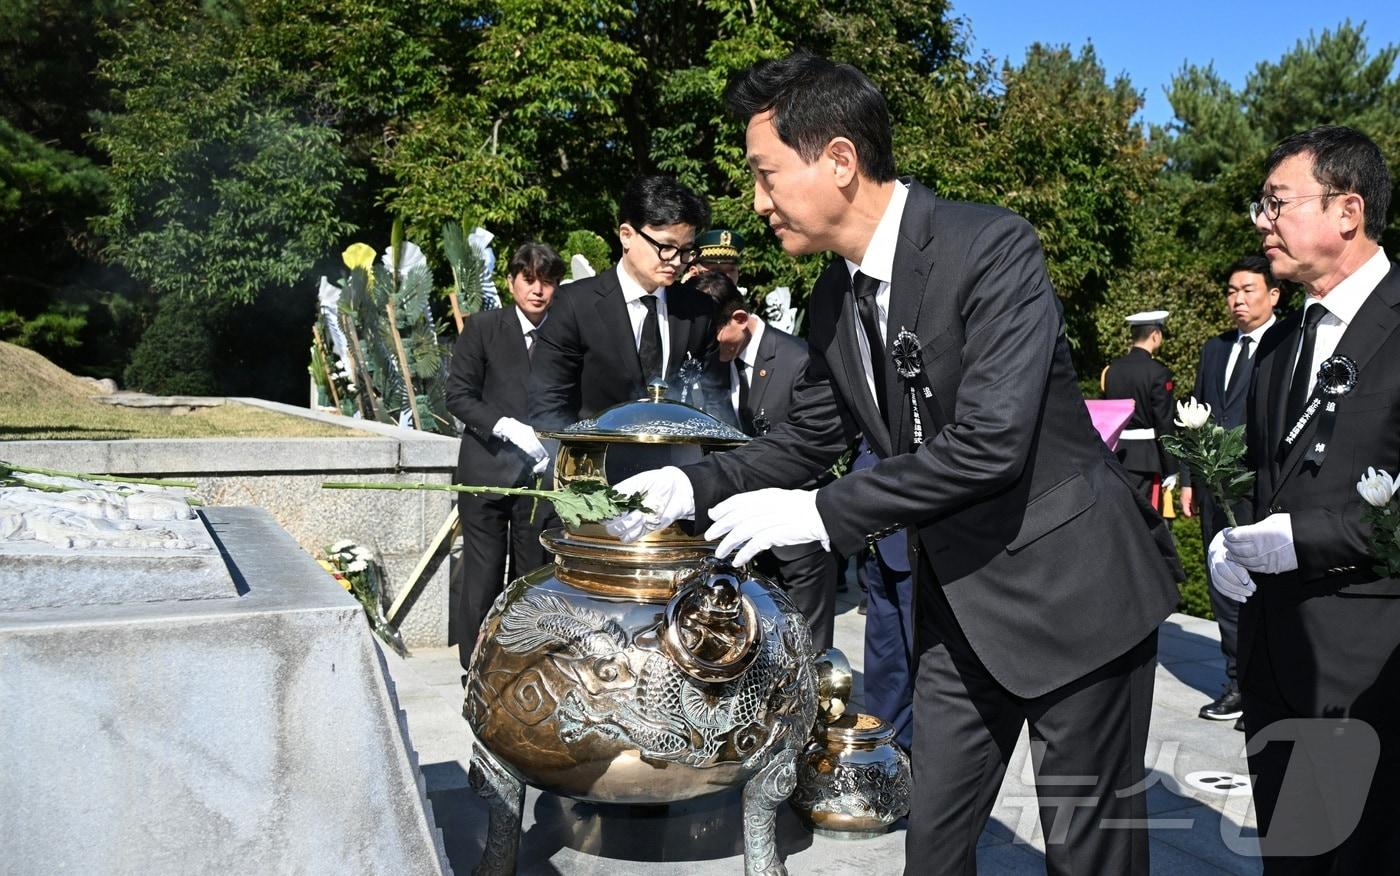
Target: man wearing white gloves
[
  {"x": 490, "y": 367},
  {"x": 1319, "y": 631},
  {"x": 1041, "y": 576}
]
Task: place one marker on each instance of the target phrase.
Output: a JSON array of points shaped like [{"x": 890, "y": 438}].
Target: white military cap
[{"x": 1148, "y": 317}]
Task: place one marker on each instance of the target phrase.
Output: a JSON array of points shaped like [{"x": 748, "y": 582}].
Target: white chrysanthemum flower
[
  {"x": 1192, "y": 414},
  {"x": 1376, "y": 487},
  {"x": 342, "y": 546},
  {"x": 357, "y": 566}
]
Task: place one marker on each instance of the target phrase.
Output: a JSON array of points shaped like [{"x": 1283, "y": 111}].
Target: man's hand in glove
[
  {"x": 522, "y": 436},
  {"x": 756, "y": 521},
  {"x": 667, "y": 492},
  {"x": 1266, "y": 546},
  {"x": 1227, "y": 576}
]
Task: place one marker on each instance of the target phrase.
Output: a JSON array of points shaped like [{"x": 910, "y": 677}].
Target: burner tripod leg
[
  {"x": 505, "y": 798},
  {"x": 764, "y": 793}
]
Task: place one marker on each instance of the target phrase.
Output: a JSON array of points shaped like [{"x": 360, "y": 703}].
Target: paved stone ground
[{"x": 1193, "y": 830}]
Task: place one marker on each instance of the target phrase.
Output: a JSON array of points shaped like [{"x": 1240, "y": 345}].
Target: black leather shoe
[
  {"x": 1227, "y": 708},
  {"x": 1239, "y": 724}
]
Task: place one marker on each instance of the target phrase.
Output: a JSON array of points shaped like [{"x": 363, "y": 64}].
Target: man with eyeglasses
[
  {"x": 1319, "y": 628},
  {"x": 609, "y": 336}
]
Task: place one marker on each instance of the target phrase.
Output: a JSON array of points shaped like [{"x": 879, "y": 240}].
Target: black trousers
[
  {"x": 495, "y": 529},
  {"x": 810, "y": 580},
  {"x": 1225, "y": 609},
  {"x": 1088, "y": 741},
  {"x": 1325, "y": 772}
]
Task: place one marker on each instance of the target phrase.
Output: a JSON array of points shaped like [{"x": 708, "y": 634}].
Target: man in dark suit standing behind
[
  {"x": 764, "y": 365},
  {"x": 1042, "y": 577},
  {"x": 1222, "y": 381},
  {"x": 610, "y": 335},
  {"x": 489, "y": 365},
  {"x": 1320, "y": 630}
]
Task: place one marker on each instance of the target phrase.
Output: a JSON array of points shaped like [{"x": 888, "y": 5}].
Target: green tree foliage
[
  {"x": 173, "y": 357},
  {"x": 64, "y": 303},
  {"x": 226, "y": 194}
]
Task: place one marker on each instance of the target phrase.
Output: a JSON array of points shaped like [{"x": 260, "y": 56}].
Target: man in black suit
[
  {"x": 490, "y": 363},
  {"x": 1320, "y": 632},
  {"x": 763, "y": 366},
  {"x": 1222, "y": 381},
  {"x": 609, "y": 336},
  {"x": 1042, "y": 577}
]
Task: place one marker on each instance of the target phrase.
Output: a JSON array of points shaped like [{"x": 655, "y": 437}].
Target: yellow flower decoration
[{"x": 358, "y": 255}]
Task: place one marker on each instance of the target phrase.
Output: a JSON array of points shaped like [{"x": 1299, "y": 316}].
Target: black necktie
[
  {"x": 1302, "y": 372},
  {"x": 1241, "y": 368},
  {"x": 865, "y": 289},
  {"x": 531, "y": 338},
  {"x": 649, "y": 346},
  {"x": 745, "y": 412}
]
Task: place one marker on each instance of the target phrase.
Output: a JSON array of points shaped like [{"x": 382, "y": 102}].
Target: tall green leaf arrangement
[{"x": 398, "y": 362}]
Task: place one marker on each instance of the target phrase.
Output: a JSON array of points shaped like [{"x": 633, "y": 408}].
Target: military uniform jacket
[{"x": 1149, "y": 384}]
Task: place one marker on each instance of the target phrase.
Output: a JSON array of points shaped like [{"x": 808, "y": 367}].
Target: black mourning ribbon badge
[
  {"x": 908, "y": 361},
  {"x": 1335, "y": 378}
]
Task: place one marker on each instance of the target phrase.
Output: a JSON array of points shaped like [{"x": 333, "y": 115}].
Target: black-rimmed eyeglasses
[
  {"x": 668, "y": 251},
  {"x": 1270, "y": 206}
]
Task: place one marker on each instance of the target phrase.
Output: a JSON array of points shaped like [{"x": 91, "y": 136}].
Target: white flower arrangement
[{"x": 1381, "y": 493}]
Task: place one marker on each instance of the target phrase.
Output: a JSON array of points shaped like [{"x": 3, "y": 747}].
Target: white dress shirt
[
  {"x": 526, "y": 327},
  {"x": 878, "y": 264},
  {"x": 1254, "y": 338},
  {"x": 632, "y": 293},
  {"x": 1342, "y": 303},
  {"x": 749, "y": 356}
]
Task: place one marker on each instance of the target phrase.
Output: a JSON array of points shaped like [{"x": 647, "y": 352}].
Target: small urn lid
[
  {"x": 856, "y": 731},
  {"x": 652, "y": 420}
]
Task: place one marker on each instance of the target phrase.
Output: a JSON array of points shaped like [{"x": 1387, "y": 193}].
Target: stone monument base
[{"x": 255, "y": 734}]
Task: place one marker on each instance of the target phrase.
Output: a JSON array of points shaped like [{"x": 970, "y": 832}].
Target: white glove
[
  {"x": 1169, "y": 482},
  {"x": 1266, "y": 546},
  {"x": 757, "y": 521},
  {"x": 522, "y": 436},
  {"x": 1227, "y": 576},
  {"x": 668, "y": 494}
]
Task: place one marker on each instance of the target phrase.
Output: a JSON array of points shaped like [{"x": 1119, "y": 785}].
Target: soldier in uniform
[
  {"x": 1148, "y": 383},
  {"x": 720, "y": 250}
]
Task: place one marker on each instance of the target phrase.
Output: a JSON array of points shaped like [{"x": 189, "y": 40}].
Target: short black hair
[
  {"x": 726, "y": 295},
  {"x": 538, "y": 261},
  {"x": 1140, "y": 333},
  {"x": 658, "y": 200},
  {"x": 1254, "y": 264},
  {"x": 815, "y": 101},
  {"x": 1346, "y": 161}
]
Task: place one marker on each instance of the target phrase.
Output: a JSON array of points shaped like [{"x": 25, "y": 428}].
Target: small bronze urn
[
  {"x": 641, "y": 673},
  {"x": 853, "y": 781}
]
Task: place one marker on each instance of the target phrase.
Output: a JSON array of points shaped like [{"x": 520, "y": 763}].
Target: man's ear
[
  {"x": 740, "y": 317},
  {"x": 625, "y": 233},
  {"x": 1353, "y": 213},
  {"x": 845, "y": 163}
]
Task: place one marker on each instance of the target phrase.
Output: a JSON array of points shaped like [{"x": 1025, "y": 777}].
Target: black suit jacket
[
  {"x": 1228, "y": 412},
  {"x": 1326, "y": 646},
  {"x": 489, "y": 367},
  {"x": 587, "y": 358},
  {"x": 1051, "y": 562}
]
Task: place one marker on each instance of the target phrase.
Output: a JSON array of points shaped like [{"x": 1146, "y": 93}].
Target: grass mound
[{"x": 39, "y": 400}]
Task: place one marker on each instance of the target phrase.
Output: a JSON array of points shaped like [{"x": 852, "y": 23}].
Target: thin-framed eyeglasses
[
  {"x": 668, "y": 251},
  {"x": 1270, "y": 206}
]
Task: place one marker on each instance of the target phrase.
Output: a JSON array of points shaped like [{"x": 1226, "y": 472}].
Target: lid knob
[{"x": 656, "y": 389}]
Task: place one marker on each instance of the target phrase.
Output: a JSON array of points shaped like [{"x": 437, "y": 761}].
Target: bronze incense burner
[{"x": 644, "y": 673}]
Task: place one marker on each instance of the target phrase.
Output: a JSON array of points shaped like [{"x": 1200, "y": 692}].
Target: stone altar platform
[{"x": 253, "y": 732}]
